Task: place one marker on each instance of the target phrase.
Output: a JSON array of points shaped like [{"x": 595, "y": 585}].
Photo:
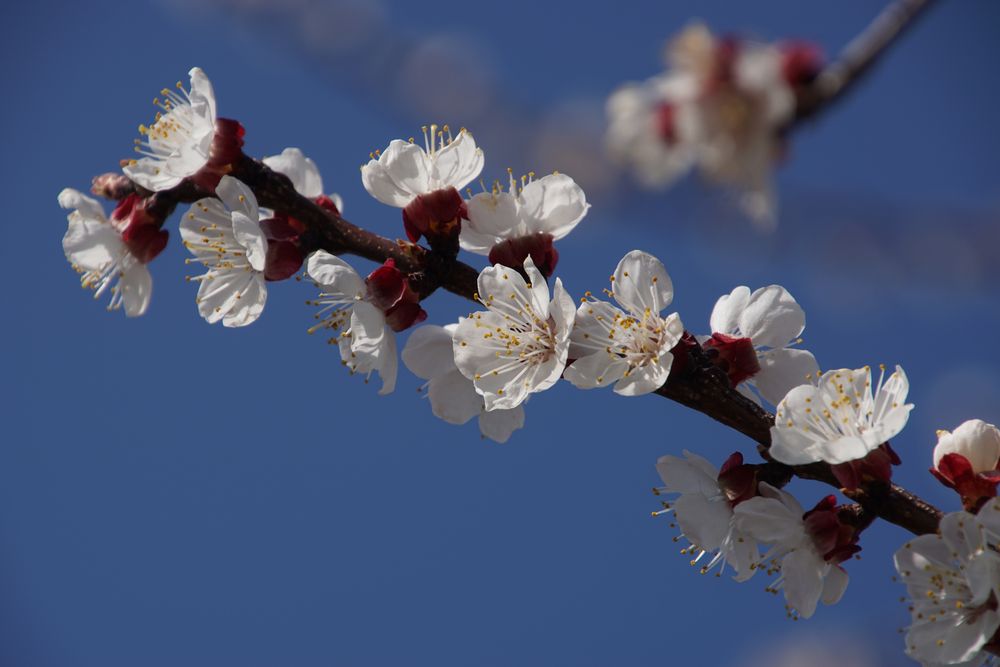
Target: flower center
[{"x": 173, "y": 127}]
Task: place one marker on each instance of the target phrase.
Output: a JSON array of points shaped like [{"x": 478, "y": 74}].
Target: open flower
[
  {"x": 96, "y": 249},
  {"x": 424, "y": 181},
  {"x": 721, "y": 106},
  {"x": 225, "y": 236},
  {"x": 365, "y": 312},
  {"x": 953, "y": 579},
  {"x": 752, "y": 335},
  {"x": 524, "y": 221},
  {"x": 806, "y": 547},
  {"x": 968, "y": 460},
  {"x": 429, "y": 354},
  {"x": 839, "y": 419},
  {"x": 186, "y": 140},
  {"x": 518, "y": 346},
  {"x": 704, "y": 509},
  {"x": 628, "y": 349}
]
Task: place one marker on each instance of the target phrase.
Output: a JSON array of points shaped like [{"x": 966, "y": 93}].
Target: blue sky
[{"x": 175, "y": 493}]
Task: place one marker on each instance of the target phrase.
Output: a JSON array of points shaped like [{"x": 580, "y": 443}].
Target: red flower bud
[
  {"x": 438, "y": 216},
  {"x": 513, "y": 253},
  {"x": 735, "y": 356},
  {"x": 139, "y": 229},
  {"x": 956, "y": 472},
  {"x": 875, "y": 467},
  {"x": 389, "y": 290},
  {"x": 226, "y": 151},
  {"x": 836, "y": 540}
]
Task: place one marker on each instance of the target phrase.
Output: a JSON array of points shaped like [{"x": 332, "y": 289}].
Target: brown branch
[
  {"x": 700, "y": 386},
  {"x": 857, "y": 58}
]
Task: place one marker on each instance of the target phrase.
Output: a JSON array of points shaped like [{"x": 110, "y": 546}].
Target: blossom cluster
[
  {"x": 721, "y": 106},
  {"x": 527, "y": 336}
]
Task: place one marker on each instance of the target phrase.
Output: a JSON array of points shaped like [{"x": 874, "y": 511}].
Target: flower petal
[
  {"x": 136, "y": 285},
  {"x": 642, "y": 282},
  {"x": 553, "y": 204},
  {"x": 498, "y": 425},
  {"x": 248, "y": 234},
  {"x": 429, "y": 352},
  {"x": 453, "y": 398},
  {"x": 302, "y": 171},
  {"x": 781, "y": 370},
  {"x": 728, "y": 310},
  {"x": 599, "y": 369},
  {"x": 492, "y": 218},
  {"x": 802, "y": 571},
  {"x": 335, "y": 276},
  {"x": 772, "y": 317},
  {"x": 459, "y": 163}
]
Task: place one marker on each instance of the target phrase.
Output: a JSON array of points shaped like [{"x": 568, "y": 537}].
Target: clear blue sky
[{"x": 174, "y": 493}]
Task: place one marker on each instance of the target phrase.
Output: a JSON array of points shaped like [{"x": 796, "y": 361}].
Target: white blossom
[
  {"x": 225, "y": 236},
  {"x": 179, "y": 143},
  {"x": 953, "y": 579},
  {"x": 974, "y": 440},
  {"x": 405, "y": 170},
  {"x": 553, "y": 205},
  {"x": 720, "y": 107},
  {"x": 366, "y": 342},
  {"x": 95, "y": 249},
  {"x": 839, "y": 419},
  {"x": 628, "y": 349},
  {"x": 303, "y": 173},
  {"x": 773, "y": 321},
  {"x": 429, "y": 354},
  {"x": 519, "y": 345},
  {"x": 705, "y": 515},
  {"x": 806, "y": 576}
]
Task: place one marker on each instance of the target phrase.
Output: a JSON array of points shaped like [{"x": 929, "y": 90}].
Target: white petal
[
  {"x": 802, "y": 570},
  {"x": 137, "y": 288},
  {"x": 86, "y": 206},
  {"x": 335, "y": 276},
  {"x": 645, "y": 379},
  {"x": 453, "y": 398},
  {"x": 459, "y": 163},
  {"x": 91, "y": 244},
  {"x": 498, "y": 425},
  {"x": 202, "y": 94},
  {"x": 149, "y": 174},
  {"x": 772, "y": 317},
  {"x": 599, "y": 369},
  {"x": 553, "y": 204},
  {"x": 238, "y": 197},
  {"x": 408, "y": 166},
  {"x": 249, "y": 304},
  {"x": 642, "y": 282},
  {"x": 890, "y": 411},
  {"x": 691, "y": 475},
  {"x": 248, "y": 234},
  {"x": 380, "y": 185},
  {"x": 388, "y": 364},
  {"x": 769, "y": 520},
  {"x": 368, "y": 329},
  {"x": 302, "y": 171},
  {"x": 781, "y": 370},
  {"x": 974, "y": 439},
  {"x": 492, "y": 218},
  {"x": 834, "y": 585},
  {"x": 727, "y": 311},
  {"x": 429, "y": 353},
  {"x": 703, "y": 521}
]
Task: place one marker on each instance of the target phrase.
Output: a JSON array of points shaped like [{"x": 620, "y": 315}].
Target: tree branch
[
  {"x": 857, "y": 58},
  {"x": 700, "y": 386}
]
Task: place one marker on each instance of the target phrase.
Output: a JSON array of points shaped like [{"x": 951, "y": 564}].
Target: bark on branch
[{"x": 701, "y": 386}]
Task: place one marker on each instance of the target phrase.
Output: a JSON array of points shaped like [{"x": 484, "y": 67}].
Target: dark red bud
[
  {"x": 139, "y": 229},
  {"x": 737, "y": 479},
  {"x": 513, "y": 253},
  {"x": 437, "y": 215},
  {"x": 666, "y": 127},
  {"x": 801, "y": 62},
  {"x": 281, "y": 228},
  {"x": 225, "y": 152},
  {"x": 386, "y": 285},
  {"x": 875, "y": 467},
  {"x": 326, "y": 203},
  {"x": 833, "y": 538},
  {"x": 735, "y": 356},
  {"x": 283, "y": 260},
  {"x": 681, "y": 352},
  {"x": 955, "y": 472}
]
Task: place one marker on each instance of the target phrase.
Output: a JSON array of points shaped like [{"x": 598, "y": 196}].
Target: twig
[{"x": 857, "y": 58}]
